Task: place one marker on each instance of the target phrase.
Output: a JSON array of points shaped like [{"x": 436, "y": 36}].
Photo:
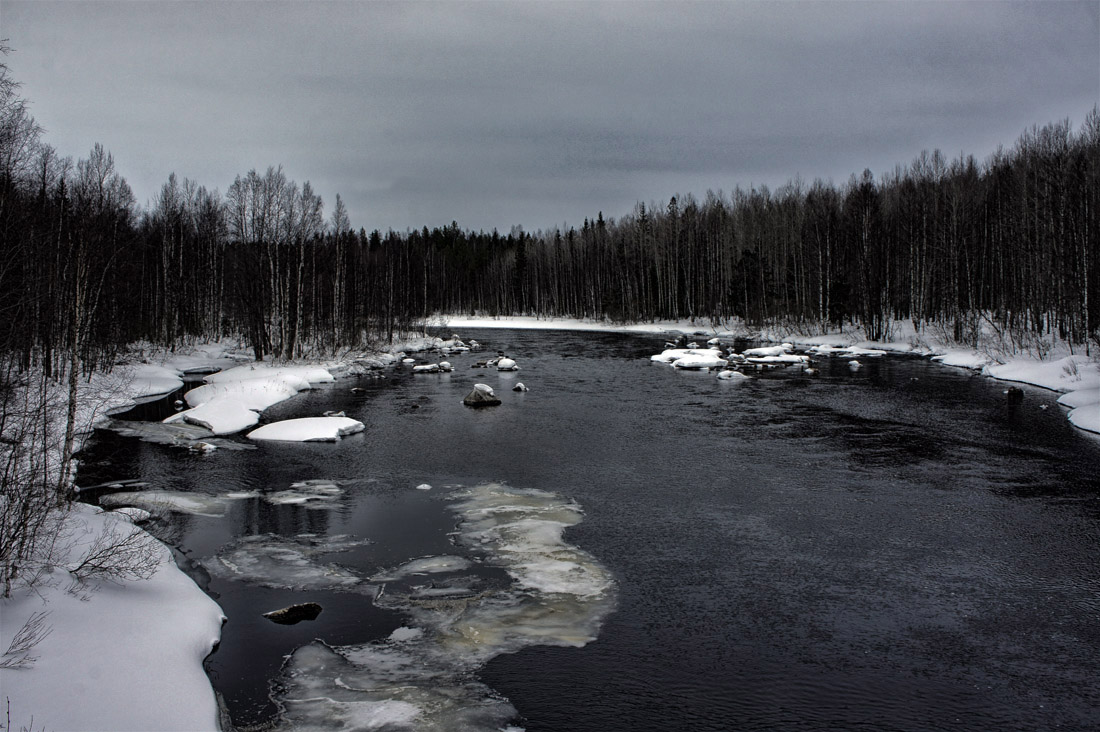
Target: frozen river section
[{"x": 628, "y": 546}]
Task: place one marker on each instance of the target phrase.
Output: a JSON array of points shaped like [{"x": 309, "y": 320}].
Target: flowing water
[{"x": 630, "y": 547}]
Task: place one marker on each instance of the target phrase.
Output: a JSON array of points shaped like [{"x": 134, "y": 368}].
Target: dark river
[{"x": 895, "y": 548}]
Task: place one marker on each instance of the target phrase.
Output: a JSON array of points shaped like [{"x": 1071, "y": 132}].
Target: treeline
[{"x": 1010, "y": 243}]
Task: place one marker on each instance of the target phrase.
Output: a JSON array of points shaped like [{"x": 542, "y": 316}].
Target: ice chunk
[
  {"x": 766, "y": 351},
  {"x": 308, "y": 429},
  {"x": 275, "y": 561},
  {"x": 404, "y": 634},
  {"x": 308, "y": 493},
  {"x": 198, "y": 504},
  {"x": 459, "y": 618},
  {"x": 426, "y": 565}
]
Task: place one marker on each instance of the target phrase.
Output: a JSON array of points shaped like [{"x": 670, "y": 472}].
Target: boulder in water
[
  {"x": 481, "y": 396},
  {"x": 294, "y": 613}
]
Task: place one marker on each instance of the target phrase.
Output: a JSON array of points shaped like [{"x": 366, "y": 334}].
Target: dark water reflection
[{"x": 891, "y": 549}]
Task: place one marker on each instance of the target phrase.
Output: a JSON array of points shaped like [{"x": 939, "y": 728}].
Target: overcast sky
[{"x": 539, "y": 113}]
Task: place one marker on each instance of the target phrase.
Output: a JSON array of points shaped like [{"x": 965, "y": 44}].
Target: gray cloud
[{"x": 537, "y": 113}]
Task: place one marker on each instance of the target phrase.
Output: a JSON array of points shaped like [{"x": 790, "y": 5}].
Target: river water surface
[{"x": 630, "y": 547}]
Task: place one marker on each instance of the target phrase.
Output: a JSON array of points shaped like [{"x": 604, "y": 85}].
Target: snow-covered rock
[
  {"x": 728, "y": 375},
  {"x": 671, "y": 355},
  {"x": 428, "y": 368},
  {"x": 507, "y": 364},
  {"x": 481, "y": 395},
  {"x": 308, "y": 429},
  {"x": 700, "y": 361}
]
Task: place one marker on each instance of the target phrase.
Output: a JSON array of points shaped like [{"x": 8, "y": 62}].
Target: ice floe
[
  {"x": 177, "y": 435},
  {"x": 308, "y": 493},
  {"x": 196, "y": 504},
  {"x": 279, "y": 562},
  {"x": 308, "y": 429},
  {"x": 423, "y": 676}
]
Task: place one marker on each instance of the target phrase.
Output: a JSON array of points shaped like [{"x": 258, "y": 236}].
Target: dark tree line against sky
[{"x": 1011, "y": 243}]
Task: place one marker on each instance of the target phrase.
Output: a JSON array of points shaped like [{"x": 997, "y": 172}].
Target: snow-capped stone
[
  {"x": 506, "y": 364},
  {"x": 481, "y": 395},
  {"x": 308, "y": 429}
]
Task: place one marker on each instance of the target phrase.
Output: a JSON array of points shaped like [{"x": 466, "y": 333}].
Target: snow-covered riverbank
[{"x": 1074, "y": 375}]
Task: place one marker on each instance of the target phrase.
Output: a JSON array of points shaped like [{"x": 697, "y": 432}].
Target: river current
[{"x": 627, "y": 546}]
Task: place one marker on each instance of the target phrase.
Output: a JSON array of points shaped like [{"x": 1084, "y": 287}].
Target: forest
[{"x": 1010, "y": 243}]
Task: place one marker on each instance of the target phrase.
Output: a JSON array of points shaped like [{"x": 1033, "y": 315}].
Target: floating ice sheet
[
  {"x": 286, "y": 563},
  {"x": 462, "y": 612},
  {"x": 197, "y": 504}
]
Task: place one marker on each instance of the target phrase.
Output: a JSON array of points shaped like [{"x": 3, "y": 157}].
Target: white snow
[
  {"x": 1077, "y": 375},
  {"x": 731, "y": 375},
  {"x": 308, "y": 429},
  {"x": 691, "y": 358},
  {"x": 230, "y": 401},
  {"x": 507, "y": 364},
  {"x": 147, "y": 381},
  {"x": 765, "y": 351},
  {"x": 121, "y": 656},
  {"x": 967, "y": 359}
]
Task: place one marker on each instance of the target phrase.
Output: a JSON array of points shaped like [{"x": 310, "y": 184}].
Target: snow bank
[
  {"x": 230, "y": 401},
  {"x": 967, "y": 359},
  {"x": 122, "y": 656},
  {"x": 308, "y": 429},
  {"x": 1078, "y": 376},
  {"x": 146, "y": 381}
]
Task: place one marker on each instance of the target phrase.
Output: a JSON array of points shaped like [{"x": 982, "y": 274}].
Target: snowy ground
[{"x": 119, "y": 655}]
